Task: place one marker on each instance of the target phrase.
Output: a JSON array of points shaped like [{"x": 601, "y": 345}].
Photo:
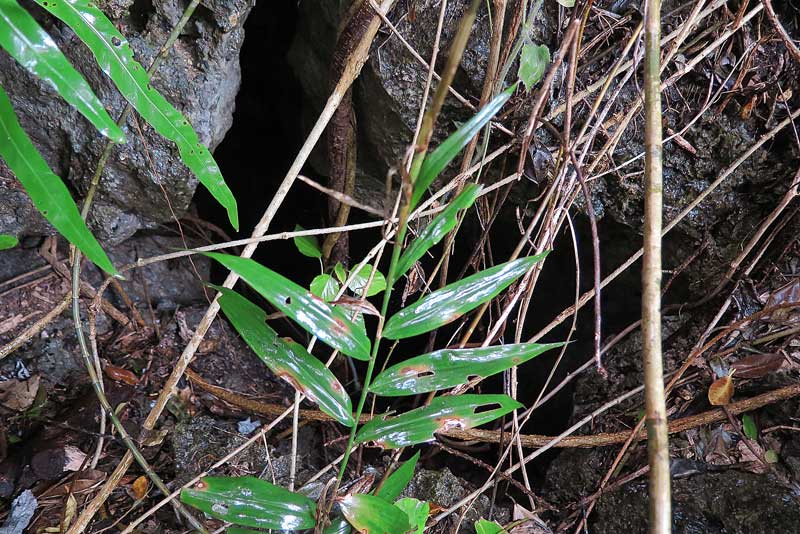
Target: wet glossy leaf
[
  {"x": 373, "y": 515},
  {"x": 360, "y": 279},
  {"x": 483, "y": 526},
  {"x": 443, "y": 413},
  {"x": 721, "y": 391},
  {"x": 532, "y": 64},
  {"x": 8, "y": 241},
  {"x": 451, "y": 302},
  {"x": 417, "y": 513},
  {"x": 749, "y": 426},
  {"x": 447, "y": 368},
  {"x": 287, "y": 359},
  {"x": 308, "y": 245},
  {"x": 398, "y": 480},
  {"x": 251, "y": 502},
  {"x": 47, "y": 191},
  {"x": 330, "y": 324},
  {"x": 436, "y": 161},
  {"x": 115, "y": 57},
  {"x": 325, "y": 287},
  {"x": 339, "y": 525},
  {"x": 340, "y": 273},
  {"x": 757, "y": 365},
  {"x": 23, "y": 38},
  {"x": 439, "y": 227}
]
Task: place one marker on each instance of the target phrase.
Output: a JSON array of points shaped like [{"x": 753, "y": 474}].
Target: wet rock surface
[{"x": 200, "y": 77}]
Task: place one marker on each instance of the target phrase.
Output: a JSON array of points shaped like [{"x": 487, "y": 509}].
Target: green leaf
[
  {"x": 287, "y": 359},
  {"x": 397, "y": 481},
  {"x": 443, "y": 413},
  {"x": 23, "y": 38},
  {"x": 417, "y": 512},
  {"x": 452, "y": 301},
  {"x": 115, "y": 57},
  {"x": 307, "y": 244},
  {"x": 373, "y": 515},
  {"x": 436, "y": 161},
  {"x": 8, "y": 241},
  {"x": 749, "y": 426},
  {"x": 360, "y": 279},
  {"x": 340, "y": 273},
  {"x": 771, "y": 456},
  {"x": 566, "y": 3},
  {"x": 532, "y": 63},
  {"x": 251, "y": 502},
  {"x": 240, "y": 530},
  {"x": 325, "y": 287},
  {"x": 483, "y": 526},
  {"x": 339, "y": 525},
  {"x": 447, "y": 368},
  {"x": 437, "y": 228},
  {"x": 47, "y": 191},
  {"x": 330, "y": 324}
]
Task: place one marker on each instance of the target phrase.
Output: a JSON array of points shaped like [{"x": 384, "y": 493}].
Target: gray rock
[{"x": 200, "y": 78}]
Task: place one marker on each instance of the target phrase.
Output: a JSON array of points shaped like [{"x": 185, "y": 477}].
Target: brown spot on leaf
[
  {"x": 201, "y": 485},
  {"x": 415, "y": 370},
  {"x": 449, "y": 423}
]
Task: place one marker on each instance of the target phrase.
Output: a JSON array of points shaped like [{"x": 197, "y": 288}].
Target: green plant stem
[{"x": 660, "y": 514}]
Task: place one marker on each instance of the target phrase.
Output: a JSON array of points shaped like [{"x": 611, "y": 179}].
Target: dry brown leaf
[
  {"x": 69, "y": 512},
  {"x": 121, "y": 375},
  {"x": 74, "y": 458},
  {"x": 140, "y": 487},
  {"x": 757, "y": 365},
  {"x": 721, "y": 391},
  {"x": 18, "y": 395}
]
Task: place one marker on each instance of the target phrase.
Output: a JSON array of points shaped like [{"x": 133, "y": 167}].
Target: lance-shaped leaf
[
  {"x": 398, "y": 480},
  {"x": 329, "y": 323},
  {"x": 26, "y": 41},
  {"x": 417, "y": 512},
  {"x": 451, "y": 302},
  {"x": 115, "y": 57},
  {"x": 287, "y": 359},
  {"x": 436, "y": 161},
  {"x": 373, "y": 515},
  {"x": 437, "y": 228},
  {"x": 8, "y": 241},
  {"x": 251, "y": 502},
  {"x": 447, "y": 368},
  {"x": 443, "y": 413},
  {"x": 47, "y": 191}
]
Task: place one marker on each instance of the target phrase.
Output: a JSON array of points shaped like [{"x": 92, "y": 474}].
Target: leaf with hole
[
  {"x": 373, "y": 515},
  {"x": 435, "y": 162},
  {"x": 398, "y": 480},
  {"x": 325, "y": 287},
  {"x": 417, "y": 512},
  {"x": 287, "y": 359},
  {"x": 115, "y": 58},
  {"x": 482, "y": 526},
  {"x": 251, "y": 502},
  {"x": 749, "y": 426},
  {"x": 439, "y": 227},
  {"x": 8, "y": 241},
  {"x": 447, "y": 368},
  {"x": 308, "y": 245},
  {"x": 47, "y": 191},
  {"x": 360, "y": 279},
  {"x": 443, "y": 413},
  {"x": 532, "y": 63},
  {"x": 330, "y": 324},
  {"x": 452, "y": 301},
  {"x": 26, "y": 41}
]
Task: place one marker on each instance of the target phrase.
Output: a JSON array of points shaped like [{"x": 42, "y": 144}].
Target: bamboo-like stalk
[{"x": 660, "y": 513}]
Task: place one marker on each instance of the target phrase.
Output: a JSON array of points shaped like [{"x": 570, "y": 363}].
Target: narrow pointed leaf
[
  {"x": 308, "y": 245},
  {"x": 360, "y": 279},
  {"x": 325, "y": 287},
  {"x": 443, "y": 413},
  {"x": 8, "y": 241},
  {"x": 451, "y": 302},
  {"x": 47, "y": 191},
  {"x": 397, "y": 481},
  {"x": 436, "y": 161},
  {"x": 115, "y": 57},
  {"x": 437, "y": 228},
  {"x": 373, "y": 515},
  {"x": 447, "y": 368},
  {"x": 417, "y": 512},
  {"x": 340, "y": 273},
  {"x": 329, "y": 323},
  {"x": 287, "y": 359},
  {"x": 251, "y": 502},
  {"x": 26, "y": 41}
]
